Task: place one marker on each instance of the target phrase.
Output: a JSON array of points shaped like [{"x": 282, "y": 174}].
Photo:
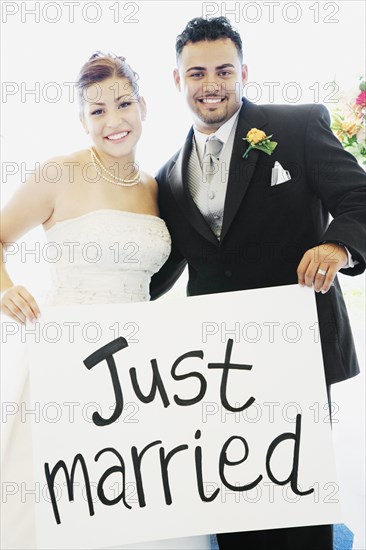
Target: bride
[{"x": 97, "y": 195}]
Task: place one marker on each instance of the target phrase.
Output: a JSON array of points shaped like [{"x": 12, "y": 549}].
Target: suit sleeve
[
  {"x": 340, "y": 183},
  {"x": 165, "y": 278},
  {"x": 173, "y": 268}
]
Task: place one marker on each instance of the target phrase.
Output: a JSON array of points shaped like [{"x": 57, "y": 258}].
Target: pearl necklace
[{"x": 116, "y": 181}]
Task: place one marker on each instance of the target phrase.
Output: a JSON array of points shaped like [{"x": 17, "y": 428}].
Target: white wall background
[{"x": 299, "y": 47}]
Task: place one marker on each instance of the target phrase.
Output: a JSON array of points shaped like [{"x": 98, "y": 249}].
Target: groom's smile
[
  {"x": 211, "y": 76},
  {"x": 212, "y": 100}
]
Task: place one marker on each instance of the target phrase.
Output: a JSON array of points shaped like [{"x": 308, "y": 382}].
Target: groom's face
[{"x": 211, "y": 77}]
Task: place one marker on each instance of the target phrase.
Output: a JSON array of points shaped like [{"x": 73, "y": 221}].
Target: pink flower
[{"x": 361, "y": 99}]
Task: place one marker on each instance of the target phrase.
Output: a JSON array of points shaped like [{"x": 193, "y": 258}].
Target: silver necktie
[{"x": 213, "y": 148}]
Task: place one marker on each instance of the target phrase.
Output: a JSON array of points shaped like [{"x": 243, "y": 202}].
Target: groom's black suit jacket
[{"x": 266, "y": 230}]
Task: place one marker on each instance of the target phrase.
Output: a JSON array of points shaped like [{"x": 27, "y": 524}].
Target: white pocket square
[{"x": 279, "y": 175}]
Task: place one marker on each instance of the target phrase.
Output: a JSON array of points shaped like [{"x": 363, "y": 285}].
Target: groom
[{"x": 263, "y": 220}]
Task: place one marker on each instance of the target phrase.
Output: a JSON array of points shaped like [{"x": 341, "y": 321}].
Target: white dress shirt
[{"x": 222, "y": 134}]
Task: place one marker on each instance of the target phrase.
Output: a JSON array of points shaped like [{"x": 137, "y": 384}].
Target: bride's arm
[{"x": 30, "y": 206}]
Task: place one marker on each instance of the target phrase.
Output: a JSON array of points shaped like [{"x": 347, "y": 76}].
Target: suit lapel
[
  {"x": 179, "y": 186},
  {"x": 241, "y": 170}
]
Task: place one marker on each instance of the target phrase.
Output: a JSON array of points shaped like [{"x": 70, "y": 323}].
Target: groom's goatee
[{"x": 215, "y": 119}]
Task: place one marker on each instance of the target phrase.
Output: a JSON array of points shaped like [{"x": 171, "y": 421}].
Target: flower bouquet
[{"x": 349, "y": 122}]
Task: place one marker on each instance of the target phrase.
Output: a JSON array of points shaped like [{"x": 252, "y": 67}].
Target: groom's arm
[
  {"x": 170, "y": 272},
  {"x": 339, "y": 182},
  {"x": 173, "y": 268}
]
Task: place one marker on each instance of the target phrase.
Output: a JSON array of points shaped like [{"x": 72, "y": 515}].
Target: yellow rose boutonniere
[{"x": 257, "y": 139}]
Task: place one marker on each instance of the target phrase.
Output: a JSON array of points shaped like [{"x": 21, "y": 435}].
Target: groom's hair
[{"x": 199, "y": 29}]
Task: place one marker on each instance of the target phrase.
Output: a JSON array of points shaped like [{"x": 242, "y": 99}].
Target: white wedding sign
[{"x": 170, "y": 419}]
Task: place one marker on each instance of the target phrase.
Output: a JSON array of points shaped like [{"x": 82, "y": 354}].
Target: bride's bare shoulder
[
  {"x": 62, "y": 167},
  {"x": 150, "y": 182},
  {"x": 63, "y": 162}
]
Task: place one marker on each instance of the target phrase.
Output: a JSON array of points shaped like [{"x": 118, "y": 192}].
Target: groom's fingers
[
  {"x": 328, "y": 279},
  {"x": 319, "y": 266},
  {"x": 302, "y": 269}
]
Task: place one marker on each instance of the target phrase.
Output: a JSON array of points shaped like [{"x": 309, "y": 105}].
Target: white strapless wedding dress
[{"x": 104, "y": 256}]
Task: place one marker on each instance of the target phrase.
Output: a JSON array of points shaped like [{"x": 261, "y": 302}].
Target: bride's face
[{"x": 113, "y": 115}]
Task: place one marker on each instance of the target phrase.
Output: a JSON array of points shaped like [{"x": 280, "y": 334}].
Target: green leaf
[
  {"x": 265, "y": 145},
  {"x": 246, "y": 153}
]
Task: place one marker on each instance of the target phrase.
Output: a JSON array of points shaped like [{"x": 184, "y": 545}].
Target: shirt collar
[{"x": 222, "y": 133}]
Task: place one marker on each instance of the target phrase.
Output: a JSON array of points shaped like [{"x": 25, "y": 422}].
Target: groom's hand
[{"x": 319, "y": 266}]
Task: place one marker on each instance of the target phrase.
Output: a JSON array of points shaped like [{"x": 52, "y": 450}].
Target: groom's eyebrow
[
  {"x": 225, "y": 65},
  {"x": 196, "y": 69},
  {"x": 219, "y": 67}
]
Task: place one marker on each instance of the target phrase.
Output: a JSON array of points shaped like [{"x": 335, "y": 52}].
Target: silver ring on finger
[{"x": 322, "y": 272}]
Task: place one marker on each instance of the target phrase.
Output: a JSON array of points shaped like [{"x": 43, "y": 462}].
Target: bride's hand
[{"x": 19, "y": 304}]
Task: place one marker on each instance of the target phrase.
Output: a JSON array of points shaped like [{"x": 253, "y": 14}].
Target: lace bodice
[{"x": 105, "y": 256}]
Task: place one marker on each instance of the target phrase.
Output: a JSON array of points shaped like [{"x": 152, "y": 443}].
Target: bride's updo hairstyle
[{"x": 100, "y": 67}]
